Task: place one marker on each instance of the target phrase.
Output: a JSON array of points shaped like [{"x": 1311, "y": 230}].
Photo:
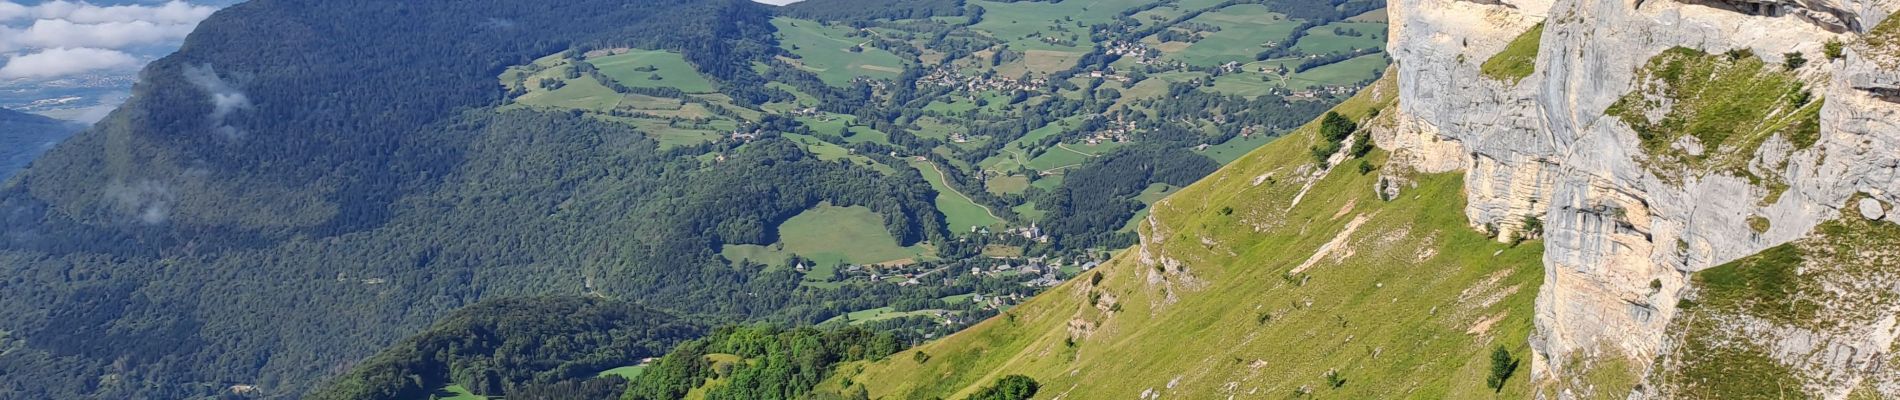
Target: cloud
[
  {"x": 148, "y": 201},
  {"x": 52, "y": 63},
  {"x": 174, "y": 12},
  {"x": 69, "y": 26},
  {"x": 225, "y": 97},
  {"x": 56, "y": 33}
]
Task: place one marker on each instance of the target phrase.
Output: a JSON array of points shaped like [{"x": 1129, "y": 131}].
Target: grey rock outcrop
[{"x": 1621, "y": 241}]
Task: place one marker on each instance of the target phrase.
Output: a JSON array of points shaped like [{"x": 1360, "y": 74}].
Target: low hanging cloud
[
  {"x": 53, "y": 63},
  {"x": 87, "y": 37},
  {"x": 225, "y": 98}
]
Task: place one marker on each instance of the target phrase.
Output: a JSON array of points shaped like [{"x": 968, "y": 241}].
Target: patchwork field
[
  {"x": 670, "y": 121},
  {"x": 1024, "y": 24}
]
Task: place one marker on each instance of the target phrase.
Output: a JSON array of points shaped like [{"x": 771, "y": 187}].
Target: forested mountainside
[
  {"x": 528, "y": 347},
  {"x": 305, "y": 183},
  {"x": 24, "y": 136}
]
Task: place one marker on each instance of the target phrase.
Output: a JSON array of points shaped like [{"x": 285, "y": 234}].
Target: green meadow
[
  {"x": 1244, "y": 29},
  {"x": 833, "y": 54},
  {"x": 637, "y": 68},
  {"x": 829, "y": 235}
]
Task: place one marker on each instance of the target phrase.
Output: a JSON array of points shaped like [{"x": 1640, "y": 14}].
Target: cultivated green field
[
  {"x": 959, "y": 212},
  {"x": 829, "y": 235},
  {"x": 1066, "y": 156},
  {"x": 629, "y": 372},
  {"x": 583, "y": 93},
  {"x": 1015, "y": 153},
  {"x": 457, "y": 392},
  {"x": 670, "y": 136},
  {"x": 636, "y": 68},
  {"x": 1353, "y": 70},
  {"x": 1248, "y": 84},
  {"x": 1007, "y": 184},
  {"x": 1029, "y": 211},
  {"x": 1233, "y": 149},
  {"x": 827, "y": 51},
  {"x": 835, "y": 124},
  {"x": 1323, "y": 39},
  {"x": 1244, "y": 28}
]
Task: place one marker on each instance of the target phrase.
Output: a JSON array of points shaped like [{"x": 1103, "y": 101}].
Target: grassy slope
[
  {"x": 1518, "y": 59},
  {"x": 1392, "y": 325}
]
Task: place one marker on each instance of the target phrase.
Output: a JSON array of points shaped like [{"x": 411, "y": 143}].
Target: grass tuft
[{"x": 1518, "y": 59}]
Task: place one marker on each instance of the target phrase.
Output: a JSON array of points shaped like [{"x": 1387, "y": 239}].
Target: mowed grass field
[
  {"x": 1233, "y": 149},
  {"x": 1354, "y": 70},
  {"x": 670, "y": 67},
  {"x": 829, "y": 235},
  {"x": 1325, "y": 39},
  {"x": 827, "y": 51},
  {"x": 457, "y": 392},
  {"x": 582, "y": 93},
  {"x": 1244, "y": 28},
  {"x": 838, "y": 124},
  {"x": 670, "y": 136},
  {"x": 959, "y": 212},
  {"x": 629, "y": 372},
  {"x": 1007, "y": 184}
]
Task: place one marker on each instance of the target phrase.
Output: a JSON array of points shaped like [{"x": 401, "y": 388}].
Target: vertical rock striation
[{"x": 1630, "y": 213}]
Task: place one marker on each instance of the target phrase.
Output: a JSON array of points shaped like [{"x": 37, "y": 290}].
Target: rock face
[{"x": 1627, "y": 218}]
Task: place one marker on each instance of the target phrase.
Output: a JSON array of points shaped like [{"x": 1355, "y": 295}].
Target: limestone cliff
[{"x": 1650, "y": 140}]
